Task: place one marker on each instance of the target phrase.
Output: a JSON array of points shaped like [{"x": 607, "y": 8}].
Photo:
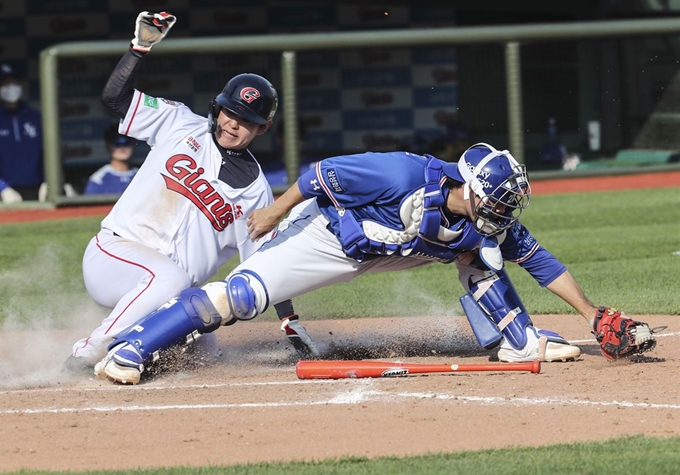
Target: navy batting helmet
[{"x": 247, "y": 95}]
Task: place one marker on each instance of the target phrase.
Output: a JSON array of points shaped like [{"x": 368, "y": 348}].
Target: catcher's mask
[
  {"x": 247, "y": 95},
  {"x": 499, "y": 184}
]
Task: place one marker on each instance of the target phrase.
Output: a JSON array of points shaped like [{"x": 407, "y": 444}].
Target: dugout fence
[{"x": 514, "y": 74}]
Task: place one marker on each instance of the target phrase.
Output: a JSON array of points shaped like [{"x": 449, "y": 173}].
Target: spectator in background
[
  {"x": 116, "y": 175},
  {"x": 21, "y": 157},
  {"x": 554, "y": 152}
]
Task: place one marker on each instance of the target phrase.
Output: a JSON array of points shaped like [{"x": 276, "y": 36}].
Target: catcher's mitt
[{"x": 619, "y": 336}]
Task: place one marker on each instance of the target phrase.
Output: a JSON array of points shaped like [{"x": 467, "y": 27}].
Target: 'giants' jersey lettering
[{"x": 186, "y": 180}]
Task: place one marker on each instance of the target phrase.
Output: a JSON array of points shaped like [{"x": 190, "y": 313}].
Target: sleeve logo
[
  {"x": 333, "y": 180},
  {"x": 150, "y": 101},
  {"x": 171, "y": 103}
]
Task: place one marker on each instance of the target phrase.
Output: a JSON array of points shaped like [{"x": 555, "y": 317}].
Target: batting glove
[
  {"x": 299, "y": 338},
  {"x": 10, "y": 195},
  {"x": 150, "y": 29}
]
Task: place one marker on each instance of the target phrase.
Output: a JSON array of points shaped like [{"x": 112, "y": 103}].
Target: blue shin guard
[
  {"x": 179, "y": 322},
  {"x": 498, "y": 298},
  {"x": 486, "y": 331}
]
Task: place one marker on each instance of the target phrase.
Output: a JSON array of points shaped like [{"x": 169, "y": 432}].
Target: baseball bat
[{"x": 336, "y": 369}]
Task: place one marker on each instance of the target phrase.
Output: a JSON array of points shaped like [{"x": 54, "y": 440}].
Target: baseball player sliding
[
  {"x": 184, "y": 213},
  {"x": 379, "y": 212}
]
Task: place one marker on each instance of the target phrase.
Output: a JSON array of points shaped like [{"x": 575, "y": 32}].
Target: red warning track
[
  {"x": 24, "y": 215},
  {"x": 562, "y": 185},
  {"x": 606, "y": 183}
]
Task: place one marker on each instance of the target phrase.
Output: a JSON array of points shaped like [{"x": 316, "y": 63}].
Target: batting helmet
[
  {"x": 247, "y": 95},
  {"x": 500, "y": 183}
]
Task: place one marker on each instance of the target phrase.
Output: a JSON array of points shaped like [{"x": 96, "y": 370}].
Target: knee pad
[
  {"x": 181, "y": 321},
  {"x": 247, "y": 295},
  {"x": 495, "y": 294}
]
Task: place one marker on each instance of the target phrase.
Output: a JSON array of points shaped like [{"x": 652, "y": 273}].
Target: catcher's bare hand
[
  {"x": 262, "y": 221},
  {"x": 150, "y": 29},
  {"x": 619, "y": 336}
]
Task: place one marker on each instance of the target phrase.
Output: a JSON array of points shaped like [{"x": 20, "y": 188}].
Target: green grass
[
  {"x": 630, "y": 455},
  {"x": 622, "y": 247}
]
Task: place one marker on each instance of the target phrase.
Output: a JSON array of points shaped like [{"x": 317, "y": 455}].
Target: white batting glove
[
  {"x": 10, "y": 195},
  {"x": 299, "y": 338},
  {"x": 150, "y": 29}
]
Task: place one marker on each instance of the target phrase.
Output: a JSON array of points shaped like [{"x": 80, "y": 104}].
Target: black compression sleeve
[
  {"x": 284, "y": 309},
  {"x": 119, "y": 89}
]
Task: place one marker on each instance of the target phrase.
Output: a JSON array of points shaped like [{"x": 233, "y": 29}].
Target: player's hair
[{"x": 453, "y": 184}]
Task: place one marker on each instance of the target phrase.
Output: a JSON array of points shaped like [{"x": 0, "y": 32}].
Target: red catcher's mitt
[{"x": 619, "y": 336}]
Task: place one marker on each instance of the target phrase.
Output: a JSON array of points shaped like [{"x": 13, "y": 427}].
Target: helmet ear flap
[{"x": 213, "y": 113}]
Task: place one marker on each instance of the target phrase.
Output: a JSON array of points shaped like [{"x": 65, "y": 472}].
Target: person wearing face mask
[
  {"x": 21, "y": 157},
  {"x": 114, "y": 177}
]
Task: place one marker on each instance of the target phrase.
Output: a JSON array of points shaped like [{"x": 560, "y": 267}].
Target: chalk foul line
[
  {"x": 657, "y": 335},
  {"x": 358, "y": 395}
]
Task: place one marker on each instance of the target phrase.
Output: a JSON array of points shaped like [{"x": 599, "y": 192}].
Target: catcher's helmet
[
  {"x": 496, "y": 178},
  {"x": 247, "y": 95}
]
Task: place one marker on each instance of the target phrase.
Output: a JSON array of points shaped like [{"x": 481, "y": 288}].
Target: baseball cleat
[
  {"x": 120, "y": 365},
  {"x": 121, "y": 374},
  {"x": 546, "y": 346}
]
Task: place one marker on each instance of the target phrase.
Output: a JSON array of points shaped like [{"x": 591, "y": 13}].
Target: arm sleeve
[
  {"x": 521, "y": 247},
  {"x": 3, "y": 184},
  {"x": 117, "y": 93}
]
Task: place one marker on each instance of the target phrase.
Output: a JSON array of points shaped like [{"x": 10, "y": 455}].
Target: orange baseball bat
[{"x": 336, "y": 369}]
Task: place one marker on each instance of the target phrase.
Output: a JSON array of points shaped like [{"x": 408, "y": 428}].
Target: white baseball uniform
[{"x": 172, "y": 228}]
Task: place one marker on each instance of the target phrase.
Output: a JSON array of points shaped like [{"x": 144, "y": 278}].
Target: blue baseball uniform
[
  {"x": 108, "y": 180},
  {"x": 21, "y": 157}
]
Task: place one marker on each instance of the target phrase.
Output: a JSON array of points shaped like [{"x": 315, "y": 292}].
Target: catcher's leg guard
[
  {"x": 180, "y": 322},
  {"x": 498, "y": 297},
  {"x": 487, "y": 333},
  {"x": 247, "y": 295}
]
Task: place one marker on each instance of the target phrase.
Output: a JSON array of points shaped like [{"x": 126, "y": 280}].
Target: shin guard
[
  {"x": 498, "y": 297},
  {"x": 179, "y": 322},
  {"x": 487, "y": 333}
]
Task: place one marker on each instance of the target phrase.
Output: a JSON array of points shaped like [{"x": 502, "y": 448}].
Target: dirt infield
[{"x": 249, "y": 406}]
